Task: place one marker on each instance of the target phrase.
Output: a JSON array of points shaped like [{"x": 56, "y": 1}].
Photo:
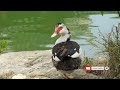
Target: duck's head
[{"x": 60, "y": 29}]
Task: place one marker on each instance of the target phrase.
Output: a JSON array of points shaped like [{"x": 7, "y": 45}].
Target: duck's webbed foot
[{"x": 68, "y": 77}]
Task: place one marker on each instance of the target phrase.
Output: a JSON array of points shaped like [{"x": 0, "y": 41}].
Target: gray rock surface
[{"x": 34, "y": 65}]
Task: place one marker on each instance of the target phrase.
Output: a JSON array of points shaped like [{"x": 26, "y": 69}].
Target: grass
[
  {"x": 3, "y": 44},
  {"x": 111, "y": 44},
  {"x": 111, "y": 48}
]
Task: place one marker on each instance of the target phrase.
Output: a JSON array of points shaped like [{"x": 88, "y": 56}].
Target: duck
[{"x": 66, "y": 54}]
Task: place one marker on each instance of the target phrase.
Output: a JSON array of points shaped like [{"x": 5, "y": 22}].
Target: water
[
  {"x": 104, "y": 24},
  {"x": 27, "y": 31}
]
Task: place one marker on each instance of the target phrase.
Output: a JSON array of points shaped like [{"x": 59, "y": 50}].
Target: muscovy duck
[{"x": 66, "y": 54}]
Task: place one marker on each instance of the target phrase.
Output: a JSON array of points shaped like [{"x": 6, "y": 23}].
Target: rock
[
  {"x": 33, "y": 65},
  {"x": 19, "y": 76},
  {"x": 6, "y": 74}
]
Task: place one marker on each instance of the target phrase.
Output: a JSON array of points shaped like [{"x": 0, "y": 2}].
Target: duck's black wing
[{"x": 65, "y": 49}]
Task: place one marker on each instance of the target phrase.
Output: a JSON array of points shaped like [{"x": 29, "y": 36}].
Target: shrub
[
  {"x": 3, "y": 45},
  {"x": 111, "y": 44},
  {"x": 87, "y": 61}
]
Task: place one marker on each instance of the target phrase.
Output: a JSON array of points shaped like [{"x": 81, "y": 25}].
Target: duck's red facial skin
[{"x": 58, "y": 29}]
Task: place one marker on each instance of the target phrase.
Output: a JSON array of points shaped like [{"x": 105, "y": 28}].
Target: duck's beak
[{"x": 54, "y": 34}]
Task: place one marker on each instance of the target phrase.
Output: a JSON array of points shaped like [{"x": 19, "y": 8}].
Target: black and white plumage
[{"x": 66, "y": 54}]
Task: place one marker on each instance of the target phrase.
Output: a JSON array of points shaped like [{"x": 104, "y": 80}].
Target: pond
[
  {"x": 103, "y": 24},
  {"x": 31, "y": 30},
  {"x": 100, "y": 23}
]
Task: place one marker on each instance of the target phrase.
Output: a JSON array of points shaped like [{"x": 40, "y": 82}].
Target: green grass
[
  {"x": 3, "y": 45},
  {"x": 111, "y": 46}
]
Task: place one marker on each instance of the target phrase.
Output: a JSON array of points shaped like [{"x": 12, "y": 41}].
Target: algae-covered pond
[{"x": 31, "y": 30}]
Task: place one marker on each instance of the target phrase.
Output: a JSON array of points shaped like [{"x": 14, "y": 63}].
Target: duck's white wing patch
[
  {"x": 75, "y": 55},
  {"x": 80, "y": 55},
  {"x": 75, "y": 49},
  {"x": 56, "y": 58}
]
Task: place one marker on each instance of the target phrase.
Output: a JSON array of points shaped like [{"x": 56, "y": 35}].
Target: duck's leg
[{"x": 67, "y": 77}]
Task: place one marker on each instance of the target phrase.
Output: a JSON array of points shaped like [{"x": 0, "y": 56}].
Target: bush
[
  {"x": 87, "y": 61},
  {"x": 3, "y": 45},
  {"x": 111, "y": 44}
]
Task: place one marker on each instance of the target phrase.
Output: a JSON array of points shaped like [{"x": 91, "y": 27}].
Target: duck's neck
[{"x": 63, "y": 38}]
